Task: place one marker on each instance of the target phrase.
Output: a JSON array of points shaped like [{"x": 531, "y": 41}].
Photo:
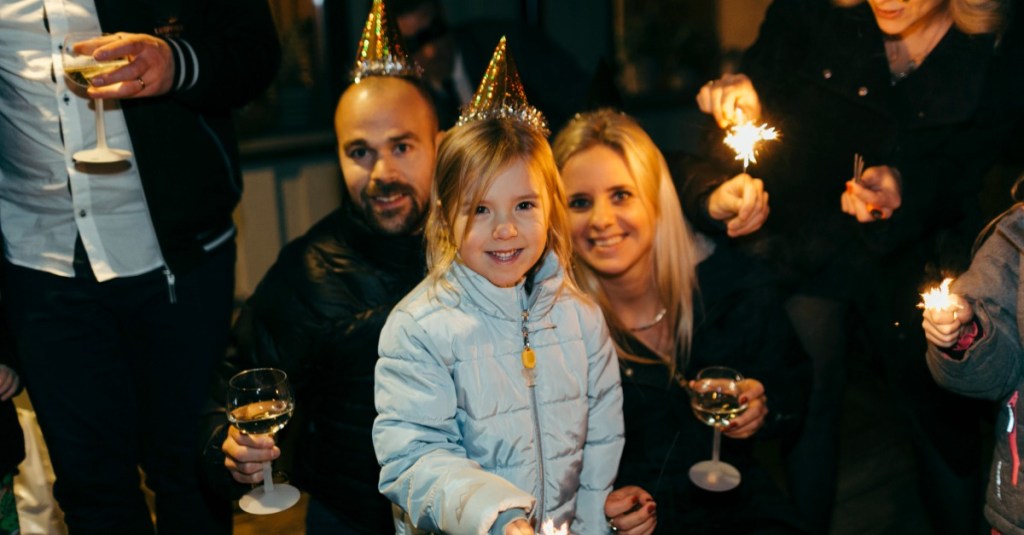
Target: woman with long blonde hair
[{"x": 675, "y": 304}]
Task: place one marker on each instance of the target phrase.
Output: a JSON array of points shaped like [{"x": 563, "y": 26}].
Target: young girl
[
  {"x": 975, "y": 349},
  {"x": 497, "y": 392}
]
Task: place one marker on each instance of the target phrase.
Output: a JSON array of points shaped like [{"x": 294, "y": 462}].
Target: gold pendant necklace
[{"x": 528, "y": 357}]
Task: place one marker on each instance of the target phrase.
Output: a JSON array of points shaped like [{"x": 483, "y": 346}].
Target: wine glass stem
[
  {"x": 101, "y": 129},
  {"x": 716, "y": 445},
  {"x": 268, "y": 478}
]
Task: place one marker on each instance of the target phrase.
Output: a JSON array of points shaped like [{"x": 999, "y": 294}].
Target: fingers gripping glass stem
[{"x": 260, "y": 402}]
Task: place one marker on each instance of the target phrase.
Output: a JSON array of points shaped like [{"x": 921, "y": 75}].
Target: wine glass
[
  {"x": 80, "y": 67},
  {"x": 715, "y": 398},
  {"x": 260, "y": 402}
]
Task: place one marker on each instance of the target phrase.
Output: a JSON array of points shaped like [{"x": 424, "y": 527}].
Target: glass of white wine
[
  {"x": 715, "y": 398},
  {"x": 260, "y": 402},
  {"x": 80, "y": 67}
]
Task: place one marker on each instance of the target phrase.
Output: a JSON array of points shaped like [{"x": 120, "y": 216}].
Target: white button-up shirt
[{"x": 45, "y": 200}]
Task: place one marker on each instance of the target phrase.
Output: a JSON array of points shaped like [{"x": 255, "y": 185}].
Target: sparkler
[
  {"x": 548, "y": 528},
  {"x": 743, "y": 138},
  {"x": 938, "y": 298}
]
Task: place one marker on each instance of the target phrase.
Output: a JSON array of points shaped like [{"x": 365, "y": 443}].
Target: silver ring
[
  {"x": 142, "y": 83},
  {"x": 612, "y": 526}
]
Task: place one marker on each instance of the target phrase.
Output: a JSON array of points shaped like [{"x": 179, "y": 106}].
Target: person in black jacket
[
  {"x": 119, "y": 278},
  {"x": 926, "y": 92},
  {"x": 677, "y": 303},
  {"x": 318, "y": 312}
]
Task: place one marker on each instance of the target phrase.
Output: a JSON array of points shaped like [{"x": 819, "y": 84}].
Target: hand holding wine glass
[
  {"x": 81, "y": 68},
  {"x": 748, "y": 423},
  {"x": 715, "y": 399},
  {"x": 260, "y": 402},
  {"x": 149, "y": 69}
]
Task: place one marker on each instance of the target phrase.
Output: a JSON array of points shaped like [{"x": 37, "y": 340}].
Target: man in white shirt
[{"x": 118, "y": 278}]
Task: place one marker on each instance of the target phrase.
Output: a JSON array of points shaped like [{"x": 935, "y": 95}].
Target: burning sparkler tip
[
  {"x": 548, "y": 528},
  {"x": 938, "y": 298}
]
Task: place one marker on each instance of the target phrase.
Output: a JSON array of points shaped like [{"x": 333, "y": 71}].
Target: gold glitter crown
[
  {"x": 501, "y": 95},
  {"x": 381, "y": 52}
]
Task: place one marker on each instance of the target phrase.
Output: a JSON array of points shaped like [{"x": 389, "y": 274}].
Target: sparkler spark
[
  {"x": 548, "y": 528},
  {"x": 743, "y": 138},
  {"x": 938, "y": 298}
]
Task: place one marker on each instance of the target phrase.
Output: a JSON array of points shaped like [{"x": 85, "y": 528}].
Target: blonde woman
[{"x": 674, "y": 305}]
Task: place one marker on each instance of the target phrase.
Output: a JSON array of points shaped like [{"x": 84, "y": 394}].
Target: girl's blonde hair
[
  {"x": 675, "y": 250},
  {"x": 970, "y": 16},
  {"x": 469, "y": 159}
]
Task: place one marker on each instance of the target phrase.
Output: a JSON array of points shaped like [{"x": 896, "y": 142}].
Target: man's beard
[{"x": 391, "y": 221}]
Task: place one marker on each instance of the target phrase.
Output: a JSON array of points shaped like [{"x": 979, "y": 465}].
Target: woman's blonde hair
[
  {"x": 970, "y": 16},
  {"x": 469, "y": 159},
  {"x": 675, "y": 251}
]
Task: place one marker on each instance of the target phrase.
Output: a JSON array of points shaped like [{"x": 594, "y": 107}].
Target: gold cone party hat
[
  {"x": 501, "y": 95},
  {"x": 381, "y": 52}
]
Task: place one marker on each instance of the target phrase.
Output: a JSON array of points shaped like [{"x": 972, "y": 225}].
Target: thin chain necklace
[
  {"x": 657, "y": 319},
  {"x": 902, "y": 62}
]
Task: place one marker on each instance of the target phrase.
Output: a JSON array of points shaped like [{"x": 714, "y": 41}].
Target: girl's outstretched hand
[{"x": 519, "y": 527}]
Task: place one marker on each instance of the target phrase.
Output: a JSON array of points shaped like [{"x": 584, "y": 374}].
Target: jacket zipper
[
  {"x": 171, "y": 294},
  {"x": 531, "y": 383}
]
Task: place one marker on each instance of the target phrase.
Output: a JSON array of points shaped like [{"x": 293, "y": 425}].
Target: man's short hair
[{"x": 421, "y": 88}]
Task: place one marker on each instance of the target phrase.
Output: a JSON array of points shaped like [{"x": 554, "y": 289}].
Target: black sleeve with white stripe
[{"x": 186, "y": 64}]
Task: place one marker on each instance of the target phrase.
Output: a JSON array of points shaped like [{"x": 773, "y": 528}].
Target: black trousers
[{"x": 117, "y": 375}]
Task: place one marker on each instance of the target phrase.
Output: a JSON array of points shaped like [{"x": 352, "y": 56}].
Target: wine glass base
[
  {"x": 98, "y": 155},
  {"x": 259, "y": 502},
  {"x": 716, "y": 477}
]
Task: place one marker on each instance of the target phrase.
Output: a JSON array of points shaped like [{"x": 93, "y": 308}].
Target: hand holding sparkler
[
  {"x": 741, "y": 203},
  {"x": 944, "y": 314},
  {"x": 519, "y": 527},
  {"x": 731, "y": 100},
  {"x": 872, "y": 194},
  {"x": 631, "y": 511}
]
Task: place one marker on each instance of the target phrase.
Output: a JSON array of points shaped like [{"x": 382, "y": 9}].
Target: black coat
[
  {"x": 317, "y": 314},
  {"x": 822, "y": 75},
  {"x": 739, "y": 322}
]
